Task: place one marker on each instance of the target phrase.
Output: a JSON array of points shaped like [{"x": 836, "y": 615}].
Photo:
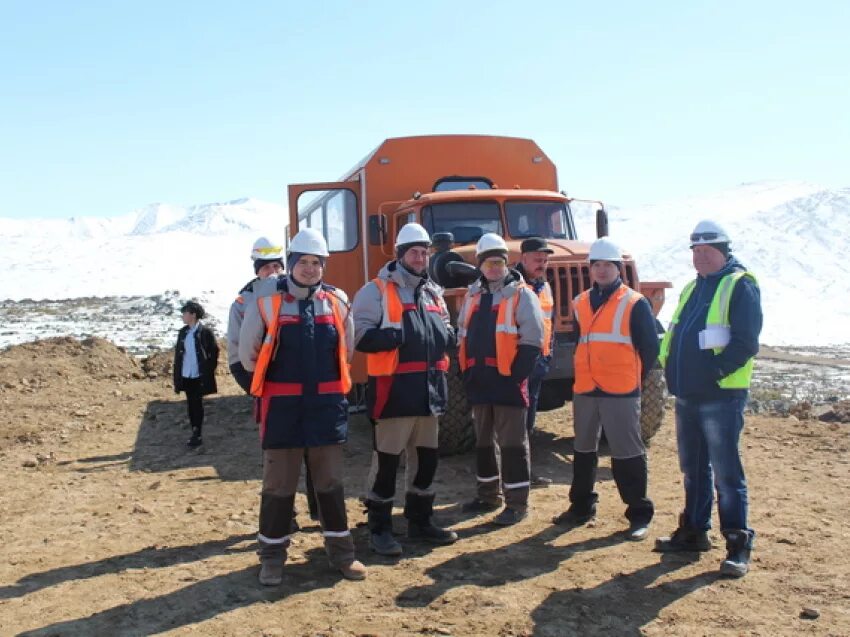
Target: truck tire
[
  {"x": 456, "y": 432},
  {"x": 652, "y": 404}
]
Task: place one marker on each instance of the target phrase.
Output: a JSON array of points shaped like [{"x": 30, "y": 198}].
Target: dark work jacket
[
  {"x": 425, "y": 337},
  {"x": 483, "y": 383},
  {"x": 692, "y": 372},
  {"x": 541, "y": 367},
  {"x": 306, "y": 353},
  {"x": 641, "y": 326},
  {"x": 207, "y": 349}
]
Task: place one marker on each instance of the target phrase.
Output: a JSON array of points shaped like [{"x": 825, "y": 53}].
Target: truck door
[{"x": 333, "y": 208}]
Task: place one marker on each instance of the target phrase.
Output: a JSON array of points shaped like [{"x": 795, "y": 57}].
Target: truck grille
[{"x": 568, "y": 280}]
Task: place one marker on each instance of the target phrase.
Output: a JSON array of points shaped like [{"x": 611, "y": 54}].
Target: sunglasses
[{"x": 704, "y": 236}]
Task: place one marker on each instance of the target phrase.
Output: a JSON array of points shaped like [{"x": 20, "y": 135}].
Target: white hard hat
[
  {"x": 603, "y": 249},
  {"x": 309, "y": 241},
  {"x": 707, "y": 232},
  {"x": 412, "y": 233},
  {"x": 490, "y": 242},
  {"x": 266, "y": 250}
]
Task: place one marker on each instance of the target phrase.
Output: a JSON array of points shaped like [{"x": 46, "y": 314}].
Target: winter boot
[
  {"x": 381, "y": 539},
  {"x": 272, "y": 557},
  {"x": 739, "y": 545},
  {"x": 684, "y": 538},
  {"x": 419, "y": 509}
]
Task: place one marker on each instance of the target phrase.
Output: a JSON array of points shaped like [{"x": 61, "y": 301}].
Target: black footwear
[
  {"x": 508, "y": 517},
  {"x": 430, "y": 533},
  {"x": 195, "y": 441},
  {"x": 383, "y": 543},
  {"x": 738, "y": 549},
  {"x": 638, "y": 531},
  {"x": 481, "y": 506},
  {"x": 684, "y": 539},
  {"x": 540, "y": 482},
  {"x": 572, "y": 518}
]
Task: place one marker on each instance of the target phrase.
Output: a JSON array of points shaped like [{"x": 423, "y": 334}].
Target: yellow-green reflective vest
[{"x": 718, "y": 317}]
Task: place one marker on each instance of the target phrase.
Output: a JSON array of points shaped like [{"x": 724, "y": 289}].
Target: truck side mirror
[
  {"x": 377, "y": 229},
  {"x": 601, "y": 223}
]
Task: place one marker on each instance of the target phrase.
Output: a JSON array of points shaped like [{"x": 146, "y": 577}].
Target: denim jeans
[{"x": 707, "y": 434}]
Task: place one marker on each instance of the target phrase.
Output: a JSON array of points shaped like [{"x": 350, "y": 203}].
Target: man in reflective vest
[
  {"x": 617, "y": 346},
  {"x": 534, "y": 257},
  {"x": 500, "y": 335},
  {"x": 707, "y": 355},
  {"x": 297, "y": 343},
  {"x": 402, "y": 324}
]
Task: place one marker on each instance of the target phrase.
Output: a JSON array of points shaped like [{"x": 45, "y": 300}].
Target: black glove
[
  {"x": 380, "y": 339},
  {"x": 526, "y": 359}
]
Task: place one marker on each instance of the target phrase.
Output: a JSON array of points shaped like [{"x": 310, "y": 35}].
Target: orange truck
[{"x": 459, "y": 187}]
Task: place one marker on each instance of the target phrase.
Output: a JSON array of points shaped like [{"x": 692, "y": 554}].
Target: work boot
[
  {"x": 738, "y": 549},
  {"x": 381, "y": 539},
  {"x": 353, "y": 570},
  {"x": 509, "y": 517},
  {"x": 479, "y": 505},
  {"x": 419, "y": 511},
  {"x": 574, "y": 517},
  {"x": 540, "y": 482},
  {"x": 684, "y": 538}
]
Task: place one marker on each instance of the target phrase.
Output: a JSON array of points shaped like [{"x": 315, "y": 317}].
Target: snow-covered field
[{"x": 791, "y": 234}]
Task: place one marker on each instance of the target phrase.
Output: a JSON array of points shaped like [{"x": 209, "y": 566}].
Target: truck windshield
[
  {"x": 548, "y": 219},
  {"x": 466, "y": 220}
]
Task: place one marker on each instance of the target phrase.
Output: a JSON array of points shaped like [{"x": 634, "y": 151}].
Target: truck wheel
[
  {"x": 456, "y": 433},
  {"x": 652, "y": 404}
]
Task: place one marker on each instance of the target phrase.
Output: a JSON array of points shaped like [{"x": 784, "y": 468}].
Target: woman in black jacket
[{"x": 195, "y": 360}]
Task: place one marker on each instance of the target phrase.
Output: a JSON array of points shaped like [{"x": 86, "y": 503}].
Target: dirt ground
[{"x": 110, "y": 526}]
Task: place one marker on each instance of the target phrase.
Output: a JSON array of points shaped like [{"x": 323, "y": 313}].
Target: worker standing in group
[
  {"x": 500, "y": 336},
  {"x": 402, "y": 324},
  {"x": 297, "y": 343},
  {"x": 708, "y": 355},
  {"x": 534, "y": 257},
  {"x": 267, "y": 258},
  {"x": 617, "y": 346}
]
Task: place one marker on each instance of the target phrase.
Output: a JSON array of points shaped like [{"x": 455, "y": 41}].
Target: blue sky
[{"x": 108, "y": 106}]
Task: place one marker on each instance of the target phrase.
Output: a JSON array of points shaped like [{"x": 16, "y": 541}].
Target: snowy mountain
[{"x": 790, "y": 234}]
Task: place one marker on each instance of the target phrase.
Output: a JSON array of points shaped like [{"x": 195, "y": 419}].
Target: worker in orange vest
[
  {"x": 297, "y": 343},
  {"x": 617, "y": 346},
  {"x": 402, "y": 325},
  {"x": 534, "y": 257},
  {"x": 500, "y": 336}
]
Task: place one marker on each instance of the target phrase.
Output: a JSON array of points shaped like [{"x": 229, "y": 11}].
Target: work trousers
[
  {"x": 502, "y": 457},
  {"x": 281, "y": 471},
  {"x": 418, "y": 437}
]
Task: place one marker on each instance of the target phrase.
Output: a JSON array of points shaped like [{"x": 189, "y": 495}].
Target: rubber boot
[
  {"x": 419, "y": 511},
  {"x": 739, "y": 546},
  {"x": 381, "y": 539},
  {"x": 272, "y": 558}
]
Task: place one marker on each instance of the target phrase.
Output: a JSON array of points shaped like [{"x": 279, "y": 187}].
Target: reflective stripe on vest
[
  {"x": 717, "y": 317},
  {"x": 605, "y": 357},
  {"x": 507, "y": 332},
  {"x": 386, "y": 363},
  {"x": 547, "y": 303},
  {"x": 270, "y": 311}
]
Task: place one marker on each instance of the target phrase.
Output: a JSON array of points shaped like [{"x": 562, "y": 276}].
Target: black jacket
[{"x": 207, "y": 349}]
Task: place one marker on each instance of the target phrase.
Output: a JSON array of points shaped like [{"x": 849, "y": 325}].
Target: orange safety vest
[
  {"x": 386, "y": 363},
  {"x": 605, "y": 357},
  {"x": 270, "y": 311},
  {"x": 507, "y": 333},
  {"x": 547, "y": 303}
]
